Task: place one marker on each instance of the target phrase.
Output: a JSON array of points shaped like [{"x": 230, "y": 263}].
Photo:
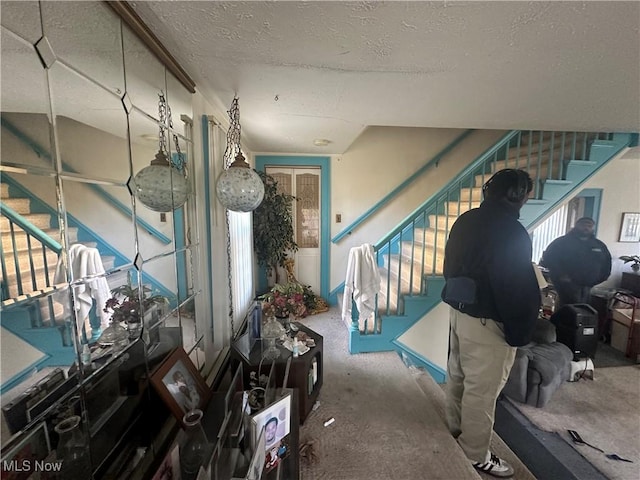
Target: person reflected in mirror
[
  {"x": 577, "y": 262},
  {"x": 494, "y": 299}
]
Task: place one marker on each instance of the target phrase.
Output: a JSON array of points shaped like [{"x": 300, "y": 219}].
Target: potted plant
[
  {"x": 273, "y": 234},
  {"x": 634, "y": 259},
  {"x": 125, "y": 306}
]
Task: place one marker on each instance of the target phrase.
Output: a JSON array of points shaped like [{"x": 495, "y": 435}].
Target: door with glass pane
[{"x": 304, "y": 184}]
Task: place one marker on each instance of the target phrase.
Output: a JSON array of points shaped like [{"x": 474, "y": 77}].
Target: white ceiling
[{"x": 328, "y": 69}]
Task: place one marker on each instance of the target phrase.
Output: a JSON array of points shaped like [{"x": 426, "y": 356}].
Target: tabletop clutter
[{"x": 299, "y": 344}]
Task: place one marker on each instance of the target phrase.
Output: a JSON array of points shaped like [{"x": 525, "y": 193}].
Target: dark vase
[
  {"x": 72, "y": 450},
  {"x": 193, "y": 448}
]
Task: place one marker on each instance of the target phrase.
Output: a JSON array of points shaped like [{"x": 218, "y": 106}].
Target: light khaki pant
[{"x": 480, "y": 360}]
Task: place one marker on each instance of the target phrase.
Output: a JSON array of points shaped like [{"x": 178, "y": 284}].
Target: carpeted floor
[
  {"x": 604, "y": 411},
  {"x": 389, "y": 419}
]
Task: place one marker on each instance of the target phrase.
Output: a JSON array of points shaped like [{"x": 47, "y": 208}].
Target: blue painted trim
[
  {"x": 595, "y": 196},
  {"x": 324, "y": 163},
  {"x": 208, "y": 207},
  {"x": 181, "y": 254},
  {"x": 388, "y": 197},
  {"x": 117, "y": 204},
  {"x": 438, "y": 373}
]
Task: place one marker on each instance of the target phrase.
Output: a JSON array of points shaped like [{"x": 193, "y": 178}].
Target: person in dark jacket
[
  {"x": 494, "y": 297},
  {"x": 576, "y": 262}
]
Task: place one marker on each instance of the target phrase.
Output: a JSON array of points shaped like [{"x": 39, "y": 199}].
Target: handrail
[
  {"x": 469, "y": 168},
  {"x": 31, "y": 229},
  {"x": 117, "y": 204},
  {"x": 347, "y": 230}
]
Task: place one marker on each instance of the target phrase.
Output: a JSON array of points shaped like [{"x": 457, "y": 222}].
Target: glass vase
[
  {"x": 271, "y": 331},
  {"x": 193, "y": 448},
  {"x": 72, "y": 449}
]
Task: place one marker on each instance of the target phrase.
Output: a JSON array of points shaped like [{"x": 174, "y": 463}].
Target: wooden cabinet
[{"x": 305, "y": 373}]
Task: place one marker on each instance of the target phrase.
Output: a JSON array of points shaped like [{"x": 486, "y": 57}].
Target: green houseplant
[
  {"x": 273, "y": 234},
  {"x": 633, "y": 259}
]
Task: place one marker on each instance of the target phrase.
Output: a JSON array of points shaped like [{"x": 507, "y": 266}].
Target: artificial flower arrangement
[
  {"x": 291, "y": 298},
  {"x": 124, "y": 305}
]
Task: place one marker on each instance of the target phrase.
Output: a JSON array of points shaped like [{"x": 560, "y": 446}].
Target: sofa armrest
[{"x": 516, "y": 385}]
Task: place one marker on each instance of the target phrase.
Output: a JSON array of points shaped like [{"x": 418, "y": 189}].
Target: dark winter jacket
[
  {"x": 583, "y": 262},
  {"x": 489, "y": 245}
]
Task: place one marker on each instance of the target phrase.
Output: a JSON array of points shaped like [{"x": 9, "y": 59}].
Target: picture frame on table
[
  {"x": 19, "y": 461},
  {"x": 630, "y": 227},
  {"x": 180, "y": 385},
  {"x": 170, "y": 467},
  {"x": 275, "y": 421}
]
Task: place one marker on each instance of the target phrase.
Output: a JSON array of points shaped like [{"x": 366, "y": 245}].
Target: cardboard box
[{"x": 620, "y": 331}]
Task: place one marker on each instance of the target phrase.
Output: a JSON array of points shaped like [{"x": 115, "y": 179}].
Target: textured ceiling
[{"x": 309, "y": 70}]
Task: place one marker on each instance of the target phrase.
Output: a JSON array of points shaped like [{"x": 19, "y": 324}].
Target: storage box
[{"x": 620, "y": 331}]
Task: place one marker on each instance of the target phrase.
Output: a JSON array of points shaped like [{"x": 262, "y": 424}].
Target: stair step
[
  {"x": 4, "y": 190},
  {"x": 11, "y": 281},
  {"x": 40, "y": 220},
  {"x": 544, "y": 172},
  {"x": 474, "y": 194},
  {"x": 24, "y": 262},
  {"x": 18, "y": 299},
  {"x": 18, "y": 205},
  {"x": 21, "y": 238},
  {"x": 440, "y": 222},
  {"x": 422, "y": 253},
  {"x": 455, "y": 208}
]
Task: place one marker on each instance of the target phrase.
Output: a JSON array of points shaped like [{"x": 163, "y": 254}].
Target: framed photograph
[
  {"x": 630, "y": 227},
  {"x": 275, "y": 419},
  {"x": 180, "y": 385},
  {"x": 20, "y": 459},
  {"x": 170, "y": 467},
  {"x": 256, "y": 466}
]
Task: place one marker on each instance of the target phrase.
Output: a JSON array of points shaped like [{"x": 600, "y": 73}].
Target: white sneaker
[{"x": 495, "y": 467}]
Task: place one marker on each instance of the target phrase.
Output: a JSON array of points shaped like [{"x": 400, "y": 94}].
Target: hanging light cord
[
  {"x": 233, "y": 134},
  {"x": 233, "y": 148},
  {"x": 164, "y": 112}
]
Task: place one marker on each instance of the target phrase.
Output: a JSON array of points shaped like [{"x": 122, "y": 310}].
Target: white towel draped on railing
[
  {"x": 86, "y": 262},
  {"x": 362, "y": 283}
]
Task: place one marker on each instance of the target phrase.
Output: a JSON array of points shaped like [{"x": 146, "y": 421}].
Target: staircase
[
  {"x": 29, "y": 254},
  {"x": 411, "y": 257}
]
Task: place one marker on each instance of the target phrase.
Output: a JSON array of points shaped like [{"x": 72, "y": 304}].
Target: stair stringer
[{"x": 418, "y": 306}]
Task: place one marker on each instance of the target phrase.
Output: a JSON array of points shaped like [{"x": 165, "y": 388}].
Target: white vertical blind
[
  {"x": 553, "y": 227},
  {"x": 241, "y": 263}
]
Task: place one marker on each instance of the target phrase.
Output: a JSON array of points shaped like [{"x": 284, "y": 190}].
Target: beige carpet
[
  {"x": 389, "y": 421},
  {"x": 604, "y": 411}
]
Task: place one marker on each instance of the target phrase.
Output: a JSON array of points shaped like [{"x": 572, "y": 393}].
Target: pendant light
[
  {"x": 239, "y": 188},
  {"x": 163, "y": 186}
]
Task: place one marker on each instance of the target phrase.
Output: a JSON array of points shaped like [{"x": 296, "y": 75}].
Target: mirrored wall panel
[{"x": 97, "y": 286}]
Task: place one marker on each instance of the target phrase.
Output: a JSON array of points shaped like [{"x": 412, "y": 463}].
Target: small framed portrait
[
  {"x": 630, "y": 227},
  {"x": 180, "y": 385},
  {"x": 275, "y": 419},
  {"x": 20, "y": 458}
]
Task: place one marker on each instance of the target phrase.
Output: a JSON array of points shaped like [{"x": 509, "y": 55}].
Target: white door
[{"x": 304, "y": 184}]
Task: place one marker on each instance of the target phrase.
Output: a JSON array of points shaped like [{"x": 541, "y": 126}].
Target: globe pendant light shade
[
  {"x": 239, "y": 188},
  {"x": 160, "y": 186}
]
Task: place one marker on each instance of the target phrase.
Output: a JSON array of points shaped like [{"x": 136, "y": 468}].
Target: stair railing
[
  {"x": 414, "y": 250},
  {"x": 37, "y": 245}
]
